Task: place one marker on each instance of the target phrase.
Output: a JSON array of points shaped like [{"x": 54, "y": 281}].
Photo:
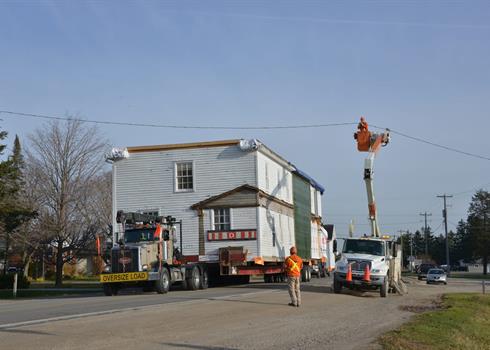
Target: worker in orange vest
[{"x": 293, "y": 265}]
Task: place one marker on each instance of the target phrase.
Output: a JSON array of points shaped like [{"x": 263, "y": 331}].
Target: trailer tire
[
  {"x": 194, "y": 280},
  {"x": 337, "y": 286},
  {"x": 383, "y": 290},
  {"x": 109, "y": 289},
  {"x": 162, "y": 285},
  {"x": 204, "y": 284}
]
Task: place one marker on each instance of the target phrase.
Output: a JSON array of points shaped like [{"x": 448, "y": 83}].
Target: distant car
[
  {"x": 436, "y": 276},
  {"x": 423, "y": 269},
  {"x": 12, "y": 269}
]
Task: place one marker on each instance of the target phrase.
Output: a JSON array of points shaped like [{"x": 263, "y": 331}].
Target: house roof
[
  {"x": 311, "y": 180},
  {"x": 246, "y": 187},
  {"x": 205, "y": 144}
]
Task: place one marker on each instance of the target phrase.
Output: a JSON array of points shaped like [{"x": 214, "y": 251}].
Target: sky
[{"x": 418, "y": 67}]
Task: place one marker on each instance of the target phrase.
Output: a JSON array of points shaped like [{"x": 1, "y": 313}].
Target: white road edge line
[{"x": 113, "y": 311}]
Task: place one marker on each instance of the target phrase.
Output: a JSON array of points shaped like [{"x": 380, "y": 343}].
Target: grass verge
[
  {"x": 462, "y": 323},
  {"x": 470, "y": 275}
]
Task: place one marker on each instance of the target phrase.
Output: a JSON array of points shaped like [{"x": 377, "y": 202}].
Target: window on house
[
  {"x": 222, "y": 219},
  {"x": 184, "y": 176}
]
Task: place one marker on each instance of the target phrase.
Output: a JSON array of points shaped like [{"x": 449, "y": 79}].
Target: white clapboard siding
[
  {"x": 274, "y": 178},
  {"x": 146, "y": 180},
  {"x": 315, "y": 241},
  {"x": 272, "y": 221},
  {"x": 241, "y": 219},
  {"x": 319, "y": 198}
]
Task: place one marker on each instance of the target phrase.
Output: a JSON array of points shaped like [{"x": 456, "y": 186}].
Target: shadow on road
[
  {"x": 197, "y": 347},
  {"x": 24, "y": 331},
  {"x": 305, "y": 287}
]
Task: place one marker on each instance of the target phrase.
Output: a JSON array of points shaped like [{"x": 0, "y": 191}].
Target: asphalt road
[{"x": 254, "y": 316}]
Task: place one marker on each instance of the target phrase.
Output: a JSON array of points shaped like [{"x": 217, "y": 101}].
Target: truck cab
[
  {"x": 365, "y": 264},
  {"x": 146, "y": 255}
]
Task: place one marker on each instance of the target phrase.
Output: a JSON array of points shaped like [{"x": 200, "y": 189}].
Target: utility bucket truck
[{"x": 370, "y": 262}]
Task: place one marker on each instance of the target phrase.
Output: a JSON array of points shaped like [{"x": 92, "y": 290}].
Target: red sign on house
[{"x": 235, "y": 235}]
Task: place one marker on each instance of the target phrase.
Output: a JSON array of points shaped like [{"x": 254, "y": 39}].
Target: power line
[
  {"x": 270, "y": 127},
  {"x": 171, "y": 126},
  {"x": 434, "y": 144}
]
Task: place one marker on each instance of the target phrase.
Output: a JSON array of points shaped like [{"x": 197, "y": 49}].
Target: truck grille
[
  {"x": 359, "y": 265},
  {"x": 125, "y": 260}
]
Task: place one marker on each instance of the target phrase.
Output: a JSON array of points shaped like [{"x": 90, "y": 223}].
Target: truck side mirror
[{"x": 166, "y": 235}]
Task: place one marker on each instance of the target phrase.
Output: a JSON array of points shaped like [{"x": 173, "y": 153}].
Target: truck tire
[
  {"x": 204, "y": 280},
  {"x": 268, "y": 278},
  {"x": 304, "y": 275},
  {"x": 308, "y": 274},
  {"x": 109, "y": 289},
  {"x": 383, "y": 290},
  {"x": 162, "y": 285},
  {"x": 194, "y": 280},
  {"x": 337, "y": 286}
]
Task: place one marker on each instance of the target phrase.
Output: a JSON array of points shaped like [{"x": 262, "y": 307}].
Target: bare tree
[{"x": 67, "y": 158}]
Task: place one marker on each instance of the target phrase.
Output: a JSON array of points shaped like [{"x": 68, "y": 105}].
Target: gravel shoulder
[{"x": 256, "y": 319}]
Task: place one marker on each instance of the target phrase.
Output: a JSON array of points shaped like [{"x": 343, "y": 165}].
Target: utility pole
[
  {"x": 426, "y": 233},
  {"x": 444, "y": 214}
]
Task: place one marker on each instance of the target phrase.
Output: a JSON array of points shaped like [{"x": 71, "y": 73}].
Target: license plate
[{"x": 124, "y": 277}]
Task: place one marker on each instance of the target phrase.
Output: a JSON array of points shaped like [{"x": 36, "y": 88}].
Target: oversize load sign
[
  {"x": 124, "y": 277},
  {"x": 231, "y": 235}
]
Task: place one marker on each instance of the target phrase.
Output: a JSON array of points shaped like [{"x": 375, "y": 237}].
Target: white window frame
[
  {"x": 213, "y": 226},
  {"x": 176, "y": 180}
]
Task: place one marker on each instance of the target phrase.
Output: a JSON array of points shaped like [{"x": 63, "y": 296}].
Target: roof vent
[
  {"x": 249, "y": 145},
  {"x": 117, "y": 154}
]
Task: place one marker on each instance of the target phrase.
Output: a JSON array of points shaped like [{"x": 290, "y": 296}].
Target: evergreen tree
[
  {"x": 13, "y": 210},
  {"x": 479, "y": 228}
]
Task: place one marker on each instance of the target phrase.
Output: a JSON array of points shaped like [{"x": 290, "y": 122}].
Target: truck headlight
[
  {"x": 375, "y": 270},
  {"x": 107, "y": 268},
  {"x": 145, "y": 267}
]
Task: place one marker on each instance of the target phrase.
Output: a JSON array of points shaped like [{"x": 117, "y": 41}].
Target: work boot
[{"x": 291, "y": 304}]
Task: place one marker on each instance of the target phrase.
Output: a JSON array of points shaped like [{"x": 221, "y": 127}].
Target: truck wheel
[
  {"x": 194, "y": 280},
  {"x": 308, "y": 274},
  {"x": 162, "y": 285},
  {"x": 303, "y": 275},
  {"x": 268, "y": 278},
  {"x": 109, "y": 289},
  {"x": 204, "y": 280},
  {"x": 337, "y": 286},
  {"x": 383, "y": 290}
]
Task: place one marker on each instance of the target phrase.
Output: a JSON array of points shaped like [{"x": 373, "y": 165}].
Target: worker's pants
[{"x": 294, "y": 293}]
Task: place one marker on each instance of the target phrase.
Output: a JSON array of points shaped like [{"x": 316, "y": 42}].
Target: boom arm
[{"x": 370, "y": 142}]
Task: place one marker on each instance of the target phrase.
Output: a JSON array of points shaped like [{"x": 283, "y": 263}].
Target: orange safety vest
[{"x": 293, "y": 264}]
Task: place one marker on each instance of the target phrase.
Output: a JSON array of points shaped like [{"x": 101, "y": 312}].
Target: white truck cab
[{"x": 365, "y": 264}]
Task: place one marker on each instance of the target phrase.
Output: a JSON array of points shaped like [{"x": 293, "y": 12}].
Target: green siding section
[{"x": 302, "y": 216}]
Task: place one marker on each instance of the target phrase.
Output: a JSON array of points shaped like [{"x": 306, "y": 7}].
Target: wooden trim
[
  {"x": 203, "y": 204},
  {"x": 156, "y": 148},
  {"x": 275, "y": 199}
]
